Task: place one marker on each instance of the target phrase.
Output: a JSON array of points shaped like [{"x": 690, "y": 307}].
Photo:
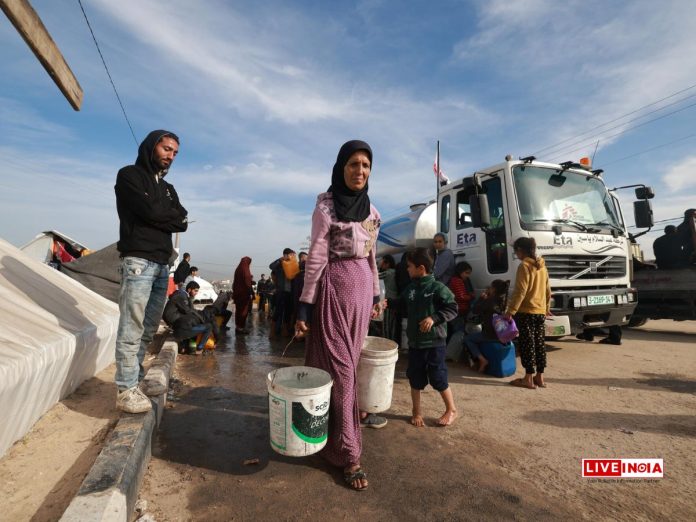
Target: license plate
[{"x": 593, "y": 300}]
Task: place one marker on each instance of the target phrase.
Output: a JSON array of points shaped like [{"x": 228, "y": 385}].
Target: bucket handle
[
  {"x": 283, "y": 355},
  {"x": 288, "y": 345}
]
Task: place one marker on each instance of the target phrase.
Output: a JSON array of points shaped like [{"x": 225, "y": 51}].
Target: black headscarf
[
  {"x": 349, "y": 205},
  {"x": 147, "y": 147}
]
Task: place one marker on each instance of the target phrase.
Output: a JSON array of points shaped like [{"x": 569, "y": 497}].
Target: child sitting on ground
[
  {"x": 430, "y": 306},
  {"x": 492, "y": 301}
]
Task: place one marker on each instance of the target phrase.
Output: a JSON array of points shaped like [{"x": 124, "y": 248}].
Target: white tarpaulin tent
[
  {"x": 54, "y": 334},
  {"x": 41, "y": 247}
]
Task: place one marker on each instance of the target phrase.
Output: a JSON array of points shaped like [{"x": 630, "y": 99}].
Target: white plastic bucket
[
  {"x": 376, "y": 374},
  {"x": 298, "y": 409}
]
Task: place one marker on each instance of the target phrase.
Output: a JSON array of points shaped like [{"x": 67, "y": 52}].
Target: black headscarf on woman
[{"x": 349, "y": 205}]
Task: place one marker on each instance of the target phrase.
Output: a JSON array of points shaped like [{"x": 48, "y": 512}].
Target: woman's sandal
[
  {"x": 521, "y": 384},
  {"x": 351, "y": 476}
]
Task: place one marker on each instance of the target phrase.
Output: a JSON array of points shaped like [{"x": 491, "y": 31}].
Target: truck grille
[{"x": 585, "y": 267}]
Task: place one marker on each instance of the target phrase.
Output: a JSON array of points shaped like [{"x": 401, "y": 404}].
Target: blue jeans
[
  {"x": 141, "y": 303},
  {"x": 204, "y": 329},
  {"x": 472, "y": 342}
]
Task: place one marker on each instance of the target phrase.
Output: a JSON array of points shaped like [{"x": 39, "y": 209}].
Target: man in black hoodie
[
  {"x": 149, "y": 211},
  {"x": 182, "y": 271}
]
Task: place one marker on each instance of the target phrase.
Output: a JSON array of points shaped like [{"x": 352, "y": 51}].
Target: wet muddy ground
[{"x": 512, "y": 454}]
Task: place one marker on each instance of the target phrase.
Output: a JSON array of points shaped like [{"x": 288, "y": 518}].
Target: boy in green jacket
[{"x": 430, "y": 306}]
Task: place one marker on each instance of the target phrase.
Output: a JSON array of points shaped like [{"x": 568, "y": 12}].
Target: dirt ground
[
  {"x": 512, "y": 453},
  {"x": 41, "y": 473}
]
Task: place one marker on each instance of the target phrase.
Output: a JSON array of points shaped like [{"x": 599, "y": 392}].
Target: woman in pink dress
[{"x": 340, "y": 295}]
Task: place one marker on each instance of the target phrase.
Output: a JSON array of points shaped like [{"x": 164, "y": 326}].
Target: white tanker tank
[{"x": 406, "y": 231}]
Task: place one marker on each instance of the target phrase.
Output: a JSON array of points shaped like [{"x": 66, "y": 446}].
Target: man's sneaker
[
  {"x": 133, "y": 400},
  {"x": 373, "y": 421}
]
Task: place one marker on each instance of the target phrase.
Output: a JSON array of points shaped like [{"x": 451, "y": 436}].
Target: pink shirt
[{"x": 333, "y": 239}]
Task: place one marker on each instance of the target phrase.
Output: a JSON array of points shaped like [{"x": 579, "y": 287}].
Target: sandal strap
[{"x": 352, "y": 476}]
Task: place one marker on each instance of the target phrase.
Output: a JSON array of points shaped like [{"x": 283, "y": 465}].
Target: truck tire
[{"x": 637, "y": 321}]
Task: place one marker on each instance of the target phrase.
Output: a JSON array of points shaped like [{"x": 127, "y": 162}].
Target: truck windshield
[{"x": 551, "y": 196}]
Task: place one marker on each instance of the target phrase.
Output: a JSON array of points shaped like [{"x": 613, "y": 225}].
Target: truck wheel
[{"x": 636, "y": 321}]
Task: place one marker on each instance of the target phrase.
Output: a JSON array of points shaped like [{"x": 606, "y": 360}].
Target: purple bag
[{"x": 505, "y": 330}]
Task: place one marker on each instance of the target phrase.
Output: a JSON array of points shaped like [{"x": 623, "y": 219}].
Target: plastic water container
[
  {"x": 298, "y": 409},
  {"x": 376, "y": 369},
  {"x": 501, "y": 358}
]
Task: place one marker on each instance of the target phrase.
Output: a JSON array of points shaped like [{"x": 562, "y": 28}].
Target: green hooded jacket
[{"x": 426, "y": 297}]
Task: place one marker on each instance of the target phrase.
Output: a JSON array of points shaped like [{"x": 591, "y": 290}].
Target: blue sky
[{"x": 263, "y": 94}]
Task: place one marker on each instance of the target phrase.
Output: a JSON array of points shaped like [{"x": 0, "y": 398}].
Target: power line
[
  {"x": 623, "y": 116},
  {"x": 649, "y": 150},
  {"x": 108, "y": 73},
  {"x": 565, "y": 153},
  {"x": 661, "y": 221},
  {"x": 402, "y": 209}
]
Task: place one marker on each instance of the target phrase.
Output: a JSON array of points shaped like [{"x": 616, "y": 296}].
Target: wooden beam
[{"x": 32, "y": 29}]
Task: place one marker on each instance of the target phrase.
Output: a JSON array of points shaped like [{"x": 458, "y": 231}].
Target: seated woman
[{"x": 492, "y": 301}]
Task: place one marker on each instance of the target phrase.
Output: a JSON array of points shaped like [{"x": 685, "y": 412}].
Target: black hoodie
[{"x": 149, "y": 210}]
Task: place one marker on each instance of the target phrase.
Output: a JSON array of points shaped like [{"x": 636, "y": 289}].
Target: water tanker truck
[{"x": 567, "y": 208}]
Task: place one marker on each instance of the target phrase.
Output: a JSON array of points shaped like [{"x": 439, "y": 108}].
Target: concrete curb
[{"x": 110, "y": 490}]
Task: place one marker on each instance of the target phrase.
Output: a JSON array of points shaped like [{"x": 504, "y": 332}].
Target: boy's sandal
[
  {"x": 521, "y": 384},
  {"x": 351, "y": 476}
]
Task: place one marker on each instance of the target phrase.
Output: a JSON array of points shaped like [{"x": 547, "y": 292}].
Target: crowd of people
[
  {"x": 278, "y": 298},
  {"x": 675, "y": 249},
  {"x": 327, "y": 296},
  {"x": 472, "y": 325}
]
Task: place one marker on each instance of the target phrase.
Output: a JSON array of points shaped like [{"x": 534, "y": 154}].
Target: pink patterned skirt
[{"x": 339, "y": 325}]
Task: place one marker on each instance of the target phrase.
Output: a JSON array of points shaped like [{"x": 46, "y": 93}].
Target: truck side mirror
[
  {"x": 480, "y": 216},
  {"x": 643, "y": 213},
  {"x": 645, "y": 193}
]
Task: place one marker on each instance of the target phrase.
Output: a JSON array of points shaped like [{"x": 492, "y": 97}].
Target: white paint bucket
[
  {"x": 376, "y": 374},
  {"x": 298, "y": 409}
]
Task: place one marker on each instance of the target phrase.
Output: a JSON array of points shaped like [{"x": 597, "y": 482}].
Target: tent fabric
[
  {"x": 54, "y": 334},
  {"x": 43, "y": 246},
  {"x": 40, "y": 248},
  {"x": 98, "y": 272}
]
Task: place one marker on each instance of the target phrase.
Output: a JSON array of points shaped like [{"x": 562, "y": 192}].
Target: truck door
[
  {"x": 445, "y": 214},
  {"x": 464, "y": 238},
  {"x": 496, "y": 244}
]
